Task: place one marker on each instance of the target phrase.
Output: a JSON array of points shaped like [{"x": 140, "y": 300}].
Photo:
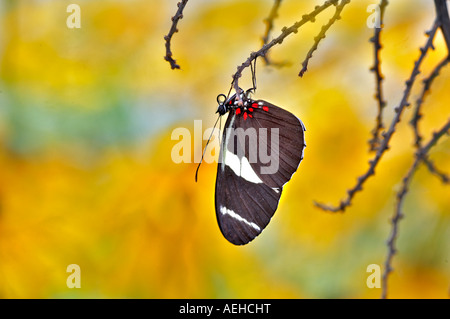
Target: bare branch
[
  {"x": 173, "y": 29},
  {"x": 442, "y": 15},
  {"x": 419, "y": 102},
  {"x": 444, "y": 177},
  {"x": 374, "y": 143},
  {"x": 286, "y": 31},
  {"x": 417, "y": 116},
  {"x": 421, "y": 154},
  {"x": 386, "y": 135},
  {"x": 322, "y": 34},
  {"x": 269, "y": 26}
]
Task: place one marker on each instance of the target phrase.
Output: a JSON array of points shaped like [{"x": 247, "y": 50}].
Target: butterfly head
[{"x": 226, "y": 104}]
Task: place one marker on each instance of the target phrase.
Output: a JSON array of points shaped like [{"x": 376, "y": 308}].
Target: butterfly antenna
[
  {"x": 229, "y": 91},
  {"x": 204, "y": 150}
]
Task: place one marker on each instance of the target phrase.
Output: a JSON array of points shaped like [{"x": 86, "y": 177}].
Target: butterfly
[{"x": 261, "y": 148}]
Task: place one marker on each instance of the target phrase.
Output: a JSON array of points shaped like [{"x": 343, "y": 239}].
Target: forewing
[{"x": 283, "y": 135}]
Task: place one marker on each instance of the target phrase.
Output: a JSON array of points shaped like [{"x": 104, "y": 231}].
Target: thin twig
[
  {"x": 322, "y": 34},
  {"x": 419, "y": 102},
  {"x": 384, "y": 146},
  {"x": 374, "y": 143},
  {"x": 417, "y": 115},
  {"x": 443, "y": 176},
  {"x": 421, "y": 154},
  {"x": 286, "y": 31},
  {"x": 173, "y": 29},
  {"x": 269, "y": 26}
]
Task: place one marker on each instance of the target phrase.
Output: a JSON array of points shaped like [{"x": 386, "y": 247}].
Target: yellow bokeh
[{"x": 87, "y": 178}]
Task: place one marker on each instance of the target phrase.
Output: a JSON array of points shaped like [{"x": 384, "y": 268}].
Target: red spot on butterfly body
[
  {"x": 250, "y": 109},
  {"x": 255, "y": 104},
  {"x": 250, "y": 115},
  {"x": 238, "y": 111},
  {"x": 245, "y": 115},
  {"x": 265, "y": 108}
]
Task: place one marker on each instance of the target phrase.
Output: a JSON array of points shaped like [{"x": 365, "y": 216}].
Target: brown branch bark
[
  {"x": 444, "y": 20},
  {"x": 173, "y": 29},
  {"x": 374, "y": 143}
]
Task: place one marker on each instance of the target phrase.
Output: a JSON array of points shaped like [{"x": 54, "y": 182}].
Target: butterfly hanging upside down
[{"x": 262, "y": 147}]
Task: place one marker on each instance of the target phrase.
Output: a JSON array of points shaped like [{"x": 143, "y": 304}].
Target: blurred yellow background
[{"x": 86, "y": 175}]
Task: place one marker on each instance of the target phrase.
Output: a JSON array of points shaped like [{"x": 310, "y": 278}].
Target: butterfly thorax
[{"x": 243, "y": 106}]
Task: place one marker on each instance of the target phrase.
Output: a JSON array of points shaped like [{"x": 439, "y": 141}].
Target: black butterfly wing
[
  {"x": 247, "y": 196},
  {"x": 284, "y": 138},
  {"x": 243, "y": 209}
]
